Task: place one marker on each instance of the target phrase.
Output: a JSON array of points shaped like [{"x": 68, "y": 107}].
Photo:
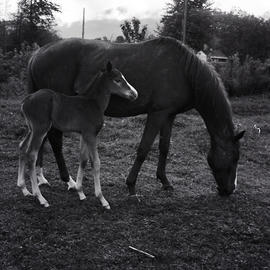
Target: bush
[
  {"x": 250, "y": 77},
  {"x": 13, "y": 71}
]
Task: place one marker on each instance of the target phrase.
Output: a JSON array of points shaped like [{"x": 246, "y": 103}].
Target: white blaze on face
[{"x": 132, "y": 89}]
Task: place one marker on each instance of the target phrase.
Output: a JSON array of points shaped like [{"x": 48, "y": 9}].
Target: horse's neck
[{"x": 218, "y": 118}]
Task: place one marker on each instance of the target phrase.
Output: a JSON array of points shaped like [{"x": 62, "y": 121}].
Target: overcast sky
[
  {"x": 121, "y": 9},
  {"x": 113, "y": 11}
]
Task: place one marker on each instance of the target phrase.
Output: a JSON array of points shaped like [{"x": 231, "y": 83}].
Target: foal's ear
[
  {"x": 240, "y": 135},
  {"x": 109, "y": 66}
]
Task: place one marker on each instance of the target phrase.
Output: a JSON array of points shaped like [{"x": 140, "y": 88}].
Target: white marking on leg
[
  {"x": 21, "y": 170},
  {"x": 71, "y": 183},
  {"x": 235, "y": 180},
  {"x": 78, "y": 183},
  {"x": 33, "y": 175},
  {"x": 98, "y": 192},
  {"x": 40, "y": 176}
]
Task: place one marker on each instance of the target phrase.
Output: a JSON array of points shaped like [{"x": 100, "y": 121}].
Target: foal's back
[{"x": 46, "y": 108}]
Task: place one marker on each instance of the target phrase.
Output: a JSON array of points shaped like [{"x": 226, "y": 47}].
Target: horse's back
[{"x": 57, "y": 65}]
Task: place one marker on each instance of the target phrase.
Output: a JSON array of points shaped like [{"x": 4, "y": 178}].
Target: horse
[
  {"x": 81, "y": 114},
  {"x": 170, "y": 79}
]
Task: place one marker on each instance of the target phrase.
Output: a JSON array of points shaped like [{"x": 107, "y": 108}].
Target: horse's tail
[{"x": 31, "y": 86}]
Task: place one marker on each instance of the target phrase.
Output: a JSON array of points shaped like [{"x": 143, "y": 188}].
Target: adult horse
[{"x": 169, "y": 79}]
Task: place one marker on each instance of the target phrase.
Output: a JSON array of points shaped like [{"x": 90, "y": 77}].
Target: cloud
[
  {"x": 121, "y": 10},
  {"x": 108, "y": 11},
  {"x": 100, "y": 28}
]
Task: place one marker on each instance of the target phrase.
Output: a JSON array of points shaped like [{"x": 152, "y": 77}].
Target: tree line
[{"x": 244, "y": 38}]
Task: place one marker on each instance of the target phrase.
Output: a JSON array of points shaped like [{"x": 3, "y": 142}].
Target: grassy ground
[{"x": 190, "y": 228}]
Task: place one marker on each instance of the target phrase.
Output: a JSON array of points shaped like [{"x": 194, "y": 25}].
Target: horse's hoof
[
  {"x": 71, "y": 184},
  {"x": 135, "y": 198},
  {"x": 168, "y": 188}
]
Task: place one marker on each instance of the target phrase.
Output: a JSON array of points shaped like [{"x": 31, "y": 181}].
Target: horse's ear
[
  {"x": 109, "y": 66},
  {"x": 240, "y": 135}
]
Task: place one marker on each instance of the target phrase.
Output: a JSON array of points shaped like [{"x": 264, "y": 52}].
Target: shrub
[
  {"x": 13, "y": 71},
  {"x": 250, "y": 77}
]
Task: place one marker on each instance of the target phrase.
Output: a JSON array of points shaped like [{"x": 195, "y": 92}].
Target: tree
[
  {"x": 119, "y": 39},
  {"x": 34, "y": 21},
  {"x": 241, "y": 33},
  {"x": 132, "y": 32},
  {"x": 199, "y": 22}
]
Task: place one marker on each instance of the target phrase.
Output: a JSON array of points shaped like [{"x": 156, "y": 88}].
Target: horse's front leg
[
  {"x": 55, "y": 137},
  {"x": 153, "y": 124},
  {"x": 164, "y": 144}
]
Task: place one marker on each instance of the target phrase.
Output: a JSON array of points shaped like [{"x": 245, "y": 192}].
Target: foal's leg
[
  {"x": 164, "y": 144},
  {"x": 55, "y": 137},
  {"x": 32, "y": 152},
  {"x": 84, "y": 156},
  {"x": 39, "y": 166},
  {"x": 22, "y": 159},
  {"x": 153, "y": 124},
  {"x": 93, "y": 153}
]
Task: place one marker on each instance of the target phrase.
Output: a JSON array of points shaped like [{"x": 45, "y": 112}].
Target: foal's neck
[{"x": 99, "y": 92}]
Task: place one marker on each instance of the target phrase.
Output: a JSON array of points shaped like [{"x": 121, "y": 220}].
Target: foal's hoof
[
  {"x": 82, "y": 196},
  {"x": 107, "y": 207},
  {"x": 26, "y": 192},
  {"x": 46, "y": 204},
  {"x": 43, "y": 181}
]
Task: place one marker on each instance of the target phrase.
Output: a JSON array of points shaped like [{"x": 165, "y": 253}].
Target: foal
[{"x": 82, "y": 114}]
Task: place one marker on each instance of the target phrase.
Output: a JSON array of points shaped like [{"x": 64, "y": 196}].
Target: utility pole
[
  {"x": 184, "y": 22},
  {"x": 83, "y": 23}
]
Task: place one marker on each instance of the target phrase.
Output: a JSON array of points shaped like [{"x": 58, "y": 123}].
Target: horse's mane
[{"x": 209, "y": 92}]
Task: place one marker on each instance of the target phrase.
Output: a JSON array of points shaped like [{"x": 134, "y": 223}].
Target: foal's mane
[
  {"x": 209, "y": 92},
  {"x": 92, "y": 86}
]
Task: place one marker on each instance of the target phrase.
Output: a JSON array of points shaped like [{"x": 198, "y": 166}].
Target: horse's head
[
  {"x": 223, "y": 159},
  {"x": 118, "y": 85}
]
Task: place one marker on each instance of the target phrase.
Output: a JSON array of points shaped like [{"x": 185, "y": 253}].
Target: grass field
[{"x": 189, "y": 228}]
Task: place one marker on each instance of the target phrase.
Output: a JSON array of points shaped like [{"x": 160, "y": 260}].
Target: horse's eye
[{"x": 117, "y": 80}]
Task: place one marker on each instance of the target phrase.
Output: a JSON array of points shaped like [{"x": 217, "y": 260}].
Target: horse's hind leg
[
  {"x": 55, "y": 137},
  {"x": 164, "y": 144},
  {"x": 22, "y": 159},
  {"x": 153, "y": 124}
]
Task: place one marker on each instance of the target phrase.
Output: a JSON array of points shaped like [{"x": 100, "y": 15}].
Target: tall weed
[{"x": 250, "y": 77}]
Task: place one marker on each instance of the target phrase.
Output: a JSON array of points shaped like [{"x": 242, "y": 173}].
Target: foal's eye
[{"x": 117, "y": 80}]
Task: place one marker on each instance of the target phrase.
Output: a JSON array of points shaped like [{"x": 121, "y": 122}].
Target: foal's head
[
  {"x": 223, "y": 159},
  {"x": 117, "y": 84}
]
